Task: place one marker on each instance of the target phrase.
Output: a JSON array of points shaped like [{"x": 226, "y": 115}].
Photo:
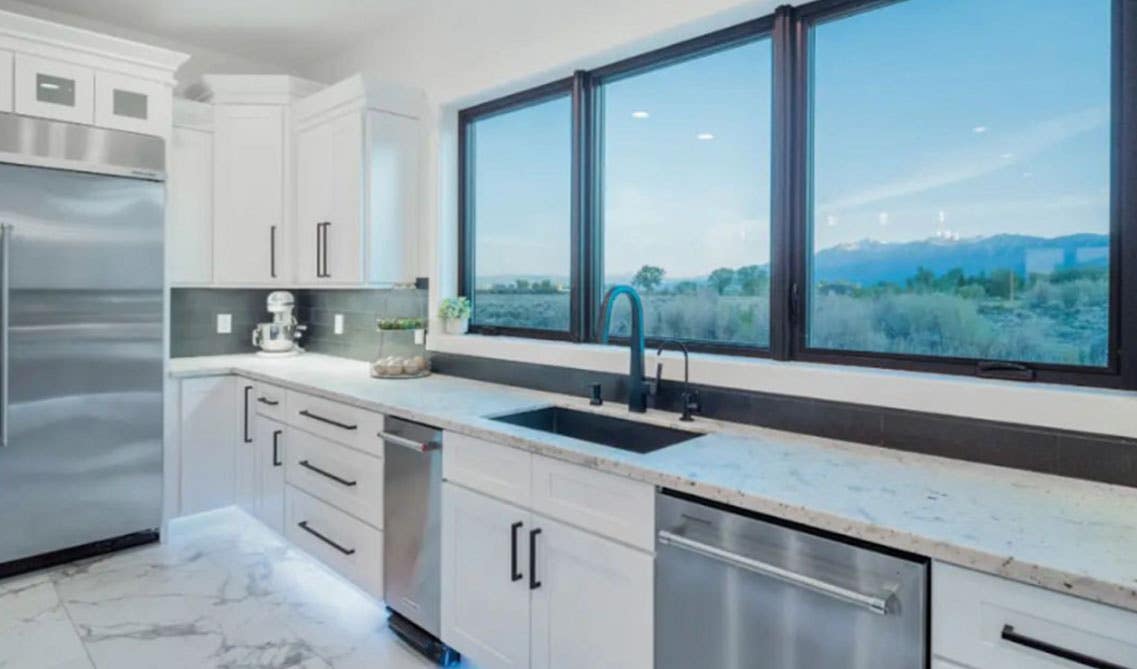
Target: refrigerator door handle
[{"x": 5, "y": 281}]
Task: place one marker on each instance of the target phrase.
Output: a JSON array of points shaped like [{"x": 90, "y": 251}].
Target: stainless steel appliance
[
  {"x": 412, "y": 535},
  {"x": 281, "y": 336},
  {"x": 81, "y": 344},
  {"x": 734, "y": 590}
]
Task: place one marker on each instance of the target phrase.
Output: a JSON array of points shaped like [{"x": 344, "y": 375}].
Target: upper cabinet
[
  {"x": 54, "y": 89},
  {"x": 189, "y": 195},
  {"x": 253, "y": 178},
  {"x": 57, "y": 72},
  {"x": 357, "y": 145}
]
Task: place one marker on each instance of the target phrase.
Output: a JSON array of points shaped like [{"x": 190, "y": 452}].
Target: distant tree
[
  {"x": 752, "y": 280},
  {"x": 649, "y": 277},
  {"x": 686, "y": 288},
  {"x": 720, "y": 279},
  {"x": 522, "y": 285},
  {"x": 924, "y": 279},
  {"x": 545, "y": 287}
]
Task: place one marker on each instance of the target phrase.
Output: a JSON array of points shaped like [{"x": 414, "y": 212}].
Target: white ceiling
[{"x": 286, "y": 33}]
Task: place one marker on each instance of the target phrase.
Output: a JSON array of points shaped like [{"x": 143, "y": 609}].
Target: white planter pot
[{"x": 456, "y": 326}]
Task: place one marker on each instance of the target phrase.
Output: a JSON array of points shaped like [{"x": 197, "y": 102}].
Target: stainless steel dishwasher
[
  {"x": 735, "y": 591},
  {"x": 412, "y": 535}
]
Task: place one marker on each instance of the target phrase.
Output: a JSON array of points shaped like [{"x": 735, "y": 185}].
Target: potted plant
[{"x": 455, "y": 315}]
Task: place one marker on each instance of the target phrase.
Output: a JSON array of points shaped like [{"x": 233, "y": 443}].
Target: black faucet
[
  {"x": 638, "y": 388},
  {"x": 690, "y": 398}
]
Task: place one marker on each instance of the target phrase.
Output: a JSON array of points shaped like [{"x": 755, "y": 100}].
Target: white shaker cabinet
[
  {"x": 357, "y": 146},
  {"x": 189, "y": 195},
  {"x": 208, "y": 432},
  {"x": 485, "y": 601},
  {"x": 132, "y": 104},
  {"x": 248, "y": 190},
  {"x": 269, "y": 436},
  {"x": 5, "y": 81},
  {"x": 54, "y": 89}
]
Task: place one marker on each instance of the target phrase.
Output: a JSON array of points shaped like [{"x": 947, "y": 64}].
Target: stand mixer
[{"x": 280, "y": 338}]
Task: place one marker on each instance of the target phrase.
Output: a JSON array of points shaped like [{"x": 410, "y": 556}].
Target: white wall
[
  {"x": 201, "y": 60},
  {"x": 462, "y": 53}
]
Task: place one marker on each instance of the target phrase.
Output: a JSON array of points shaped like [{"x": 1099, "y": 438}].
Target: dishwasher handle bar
[
  {"x": 420, "y": 446},
  {"x": 875, "y": 604}
]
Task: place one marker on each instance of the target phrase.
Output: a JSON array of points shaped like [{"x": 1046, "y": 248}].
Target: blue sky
[{"x": 962, "y": 118}]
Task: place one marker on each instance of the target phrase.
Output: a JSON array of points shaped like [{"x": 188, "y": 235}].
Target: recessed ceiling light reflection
[
  {"x": 704, "y": 136},
  {"x": 640, "y": 114}
]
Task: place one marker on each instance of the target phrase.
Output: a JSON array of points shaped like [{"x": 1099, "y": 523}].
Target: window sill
[{"x": 1097, "y": 410}]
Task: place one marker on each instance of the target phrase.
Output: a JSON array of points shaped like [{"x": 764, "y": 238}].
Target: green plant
[
  {"x": 454, "y": 308},
  {"x": 401, "y": 323}
]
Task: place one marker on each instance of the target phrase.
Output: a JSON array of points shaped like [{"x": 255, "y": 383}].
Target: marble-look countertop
[{"x": 1067, "y": 535}]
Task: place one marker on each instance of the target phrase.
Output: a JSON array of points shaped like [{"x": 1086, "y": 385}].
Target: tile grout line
[{"x": 74, "y": 627}]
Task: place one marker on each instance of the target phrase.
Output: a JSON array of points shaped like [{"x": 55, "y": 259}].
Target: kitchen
[{"x": 625, "y": 334}]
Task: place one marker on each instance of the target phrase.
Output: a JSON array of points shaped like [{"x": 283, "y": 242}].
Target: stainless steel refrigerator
[{"x": 81, "y": 341}]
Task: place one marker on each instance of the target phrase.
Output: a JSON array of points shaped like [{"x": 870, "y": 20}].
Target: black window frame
[{"x": 790, "y": 29}]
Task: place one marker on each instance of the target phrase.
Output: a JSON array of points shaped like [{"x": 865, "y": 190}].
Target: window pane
[
  {"x": 686, "y": 192},
  {"x": 522, "y": 165},
  {"x": 961, "y": 193}
]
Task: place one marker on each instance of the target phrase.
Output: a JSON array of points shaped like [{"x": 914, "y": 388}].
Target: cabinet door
[
  {"x": 189, "y": 207},
  {"x": 249, "y": 242},
  {"x": 6, "y": 82},
  {"x": 208, "y": 430},
  {"x": 54, "y": 89},
  {"x": 133, "y": 105},
  {"x": 313, "y": 199},
  {"x": 392, "y": 198},
  {"x": 593, "y": 607},
  {"x": 245, "y": 482},
  {"x": 329, "y": 201},
  {"x": 270, "y": 438},
  {"x": 485, "y": 607}
]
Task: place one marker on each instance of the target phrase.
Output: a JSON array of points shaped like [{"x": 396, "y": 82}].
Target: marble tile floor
[{"x": 222, "y": 591}]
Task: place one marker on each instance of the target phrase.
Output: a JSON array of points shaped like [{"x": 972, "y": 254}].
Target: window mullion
[{"x": 786, "y": 193}]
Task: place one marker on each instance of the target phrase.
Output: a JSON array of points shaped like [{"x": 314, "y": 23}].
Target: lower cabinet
[
  {"x": 344, "y": 543},
  {"x": 208, "y": 430},
  {"x": 522, "y": 590},
  {"x": 260, "y": 471}
]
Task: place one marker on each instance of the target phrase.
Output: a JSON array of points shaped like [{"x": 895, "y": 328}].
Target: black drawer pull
[
  {"x": 1009, "y": 634},
  {"x": 308, "y": 465},
  {"x": 514, "y": 575},
  {"x": 245, "y": 428},
  {"x": 533, "y": 582},
  {"x": 276, "y": 448},
  {"x": 304, "y": 526},
  {"x": 329, "y": 421},
  {"x": 265, "y": 400}
]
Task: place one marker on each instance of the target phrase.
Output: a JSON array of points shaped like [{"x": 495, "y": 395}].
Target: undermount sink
[{"x": 626, "y": 435}]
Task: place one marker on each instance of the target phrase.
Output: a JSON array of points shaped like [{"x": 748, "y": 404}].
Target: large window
[
  {"x": 686, "y": 195},
  {"x": 518, "y": 189},
  {"x": 961, "y": 194},
  {"x": 916, "y": 184}
]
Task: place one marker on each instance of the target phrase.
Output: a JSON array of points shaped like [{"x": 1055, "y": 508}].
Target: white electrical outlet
[
  {"x": 338, "y": 324},
  {"x": 224, "y": 323}
]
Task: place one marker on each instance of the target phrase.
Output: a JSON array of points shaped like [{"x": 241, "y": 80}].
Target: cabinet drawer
[
  {"x": 338, "y": 422},
  {"x": 606, "y": 504},
  {"x": 343, "y": 477},
  {"x": 269, "y": 401},
  {"x": 133, "y": 105},
  {"x": 54, "y": 89},
  {"x": 985, "y": 622},
  {"x": 496, "y": 470},
  {"x": 343, "y": 543}
]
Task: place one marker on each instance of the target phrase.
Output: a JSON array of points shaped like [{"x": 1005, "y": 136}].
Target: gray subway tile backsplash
[{"x": 193, "y": 318}]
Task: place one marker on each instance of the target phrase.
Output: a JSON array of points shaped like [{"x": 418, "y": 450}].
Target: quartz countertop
[{"x": 1067, "y": 535}]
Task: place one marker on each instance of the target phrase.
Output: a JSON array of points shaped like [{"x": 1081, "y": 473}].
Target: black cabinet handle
[
  {"x": 327, "y": 274},
  {"x": 272, "y": 251},
  {"x": 276, "y": 448},
  {"x": 247, "y": 438},
  {"x": 1009, "y": 634},
  {"x": 329, "y": 421},
  {"x": 308, "y": 465},
  {"x": 304, "y": 526},
  {"x": 319, "y": 241},
  {"x": 514, "y": 575},
  {"x": 265, "y": 400},
  {"x": 533, "y": 582}
]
